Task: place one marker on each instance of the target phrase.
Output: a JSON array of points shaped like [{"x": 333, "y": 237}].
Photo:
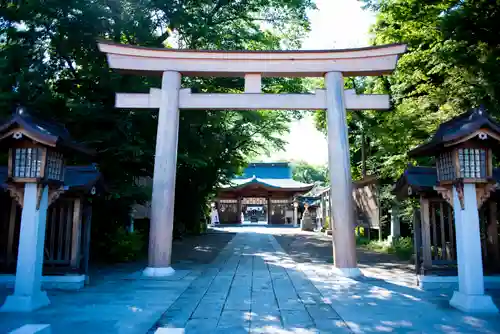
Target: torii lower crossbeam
[{"x": 248, "y": 101}]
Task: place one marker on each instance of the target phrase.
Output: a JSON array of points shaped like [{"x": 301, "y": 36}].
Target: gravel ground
[
  {"x": 201, "y": 249},
  {"x": 314, "y": 247},
  {"x": 384, "y": 270},
  {"x": 191, "y": 250}
]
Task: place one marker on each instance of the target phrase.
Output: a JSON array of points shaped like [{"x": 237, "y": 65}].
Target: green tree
[
  {"x": 307, "y": 173},
  {"x": 50, "y": 63},
  {"x": 427, "y": 88},
  {"x": 472, "y": 44},
  {"x": 451, "y": 65}
]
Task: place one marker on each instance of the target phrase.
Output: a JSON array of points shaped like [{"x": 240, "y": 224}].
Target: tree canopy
[
  {"x": 307, "y": 173},
  {"x": 50, "y": 63},
  {"x": 451, "y": 66}
]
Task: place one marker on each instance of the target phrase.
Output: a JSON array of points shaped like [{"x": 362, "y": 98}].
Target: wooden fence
[
  {"x": 67, "y": 235},
  {"x": 434, "y": 237}
]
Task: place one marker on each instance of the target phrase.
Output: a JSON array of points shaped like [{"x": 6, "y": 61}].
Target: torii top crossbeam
[{"x": 368, "y": 61}]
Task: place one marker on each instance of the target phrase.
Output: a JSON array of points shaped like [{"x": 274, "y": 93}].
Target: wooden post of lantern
[
  {"x": 35, "y": 179},
  {"x": 463, "y": 151}
]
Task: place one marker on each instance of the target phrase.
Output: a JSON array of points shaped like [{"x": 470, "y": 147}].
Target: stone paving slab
[
  {"x": 278, "y": 295},
  {"x": 376, "y": 305},
  {"x": 120, "y": 300},
  {"x": 254, "y": 286},
  {"x": 132, "y": 307},
  {"x": 248, "y": 294}
]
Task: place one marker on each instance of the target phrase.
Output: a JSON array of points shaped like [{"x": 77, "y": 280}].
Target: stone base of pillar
[
  {"x": 347, "y": 272},
  {"x": 473, "y": 303},
  {"x": 158, "y": 272},
  {"x": 15, "y": 303}
]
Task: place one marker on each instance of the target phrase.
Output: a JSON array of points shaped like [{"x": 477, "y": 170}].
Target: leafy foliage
[
  {"x": 401, "y": 247},
  {"x": 50, "y": 63},
  {"x": 452, "y": 64},
  {"x": 124, "y": 246},
  {"x": 304, "y": 172}
]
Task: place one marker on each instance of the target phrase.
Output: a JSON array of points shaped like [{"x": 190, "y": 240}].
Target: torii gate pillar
[
  {"x": 163, "y": 198},
  {"x": 339, "y": 165}
]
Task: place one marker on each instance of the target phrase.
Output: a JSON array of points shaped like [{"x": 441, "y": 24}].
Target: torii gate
[{"x": 252, "y": 65}]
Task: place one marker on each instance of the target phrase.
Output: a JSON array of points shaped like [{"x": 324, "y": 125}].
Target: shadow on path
[
  {"x": 383, "y": 271},
  {"x": 119, "y": 300}
]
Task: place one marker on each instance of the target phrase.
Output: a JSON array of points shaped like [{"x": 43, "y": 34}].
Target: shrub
[
  {"x": 326, "y": 224},
  {"x": 362, "y": 241},
  {"x": 401, "y": 247},
  {"x": 124, "y": 246}
]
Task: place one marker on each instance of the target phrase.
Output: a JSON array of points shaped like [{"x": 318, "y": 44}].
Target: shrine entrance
[
  {"x": 255, "y": 210},
  {"x": 172, "y": 64}
]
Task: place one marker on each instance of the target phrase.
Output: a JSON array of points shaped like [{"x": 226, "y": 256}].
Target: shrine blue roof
[
  {"x": 267, "y": 170},
  {"x": 274, "y": 175}
]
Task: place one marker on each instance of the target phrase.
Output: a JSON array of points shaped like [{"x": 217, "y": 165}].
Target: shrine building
[{"x": 264, "y": 194}]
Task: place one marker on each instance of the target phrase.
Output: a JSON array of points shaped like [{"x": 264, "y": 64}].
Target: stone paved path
[
  {"x": 254, "y": 286},
  {"x": 246, "y": 291},
  {"x": 118, "y": 299}
]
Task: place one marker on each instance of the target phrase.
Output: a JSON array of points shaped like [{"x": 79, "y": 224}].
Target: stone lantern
[
  {"x": 35, "y": 179},
  {"x": 307, "y": 223},
  {"x": 463, "y": 148}
]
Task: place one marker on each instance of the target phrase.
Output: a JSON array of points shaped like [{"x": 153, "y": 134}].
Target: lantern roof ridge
[
  {"x": 456, "y": 128},
  {"x": 50, "y": 133}
]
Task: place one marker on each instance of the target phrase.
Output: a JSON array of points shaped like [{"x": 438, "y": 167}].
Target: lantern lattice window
[
  {"x": 55, "y": 164},
  {"x": 472, "y": 163},
  {"x": 445, "y": 167},
  {"x": 27, "y": 162}
]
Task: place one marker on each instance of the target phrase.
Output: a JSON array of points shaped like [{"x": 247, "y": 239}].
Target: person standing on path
[{"x": 214, "y": 215}]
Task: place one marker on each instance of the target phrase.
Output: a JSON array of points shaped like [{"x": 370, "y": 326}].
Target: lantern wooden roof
[
  {"x": 47, "y": 133},
  {"x": 459, "y": 129},
  {"x": 416, "y": 180}
]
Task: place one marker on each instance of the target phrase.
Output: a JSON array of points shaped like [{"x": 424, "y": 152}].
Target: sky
[{"x": 336, "y": 24}]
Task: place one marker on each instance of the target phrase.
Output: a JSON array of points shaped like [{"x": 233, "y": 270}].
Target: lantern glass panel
[
  {"x": 55, "y": 165},
  {"x": 27, "y": 162},
  {"x": 446, "y": 171},
  {"x": 472, "y": 163}
]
